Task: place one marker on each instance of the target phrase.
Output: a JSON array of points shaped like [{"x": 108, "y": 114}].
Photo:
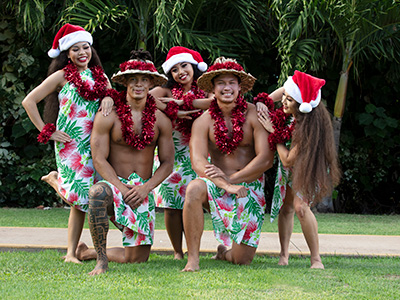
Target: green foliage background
[{"x": 246, "y": 30}]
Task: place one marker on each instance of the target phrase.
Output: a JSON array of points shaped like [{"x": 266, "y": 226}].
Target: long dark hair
[
  {"x": 171, "y": 82},
  {"x": 316, "y": 168},
  {"x": 51, "y": 103}
]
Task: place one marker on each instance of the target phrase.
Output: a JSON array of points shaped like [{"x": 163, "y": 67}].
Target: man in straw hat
[
  {"x": 123, "y": 150},
  {"x": 231, "y": 187}
]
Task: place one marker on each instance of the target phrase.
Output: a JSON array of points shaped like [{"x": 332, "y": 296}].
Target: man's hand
[
  {"x": 213, "y": 172},
  {"x": 239, "y": 190},
  {"x": 135, "y": 195}
]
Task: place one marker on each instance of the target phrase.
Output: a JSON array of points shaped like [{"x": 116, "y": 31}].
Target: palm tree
[
  {"x": 220, "y": 27},
  {"x": 354, "y": 30}
]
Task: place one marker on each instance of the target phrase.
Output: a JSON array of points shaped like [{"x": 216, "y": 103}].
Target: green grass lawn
[
  {"x": 327, "y": 223},
  {"x": 43, "y": 275}
]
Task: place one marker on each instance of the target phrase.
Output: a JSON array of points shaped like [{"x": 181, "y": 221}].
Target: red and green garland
[
  {"x": 224, "y": 142},
  {"x": 282, "y": 123},
  {"x": 184, "y": 126},
  {"x": 87, "y": 92},
  {"x": 137, "y": 141}
]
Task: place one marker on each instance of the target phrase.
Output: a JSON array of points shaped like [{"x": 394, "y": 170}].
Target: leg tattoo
[{"x": 100, "y": 198}]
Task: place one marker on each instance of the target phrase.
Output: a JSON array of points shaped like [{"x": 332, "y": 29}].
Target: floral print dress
[{"x": 76, "y": 173}]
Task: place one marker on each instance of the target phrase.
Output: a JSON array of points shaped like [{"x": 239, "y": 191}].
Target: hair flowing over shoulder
[
  {"x": 316, "y": 168},
  {"x": 51, "y": 103}
]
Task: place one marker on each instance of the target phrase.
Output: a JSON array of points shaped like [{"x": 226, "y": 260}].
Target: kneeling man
[
  {"x": 123, "y": 146},
  {"x": 231, "y": 187}
]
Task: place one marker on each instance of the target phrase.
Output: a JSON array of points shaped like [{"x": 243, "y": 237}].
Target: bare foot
[
  {"x": 178, "y": 256},
  {"x": 51, "y": 178},
  {"x": 191, "y": 266},
  {"x": 283, "y": 260},
  {"x": 80, "y": 250},
  {"x": 221, "y": 249},
  {"x": 317, "y": 264},
  {"x": 101, "y": 267},
  {"x": 70, "y": 258}
]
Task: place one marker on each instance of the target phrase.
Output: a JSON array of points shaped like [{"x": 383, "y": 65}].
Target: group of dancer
[{"x": 186, "y": 142}]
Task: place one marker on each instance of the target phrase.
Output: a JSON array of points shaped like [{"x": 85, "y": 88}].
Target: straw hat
[
  {"x": 222, "y": 66},
  {"x": 135, "y": 66}
]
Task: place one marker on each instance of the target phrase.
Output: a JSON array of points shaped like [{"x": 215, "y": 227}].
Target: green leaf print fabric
[
  {"x": 137, "y": 225},
  {"x": 171, "y": 192},
  {"x": 76, "y": 173},
  {"x": 237, "y": 219}
]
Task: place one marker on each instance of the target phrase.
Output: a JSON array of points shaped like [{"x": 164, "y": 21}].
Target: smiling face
[
  {"x": 290, "y": 106},
  {"x": 226, "y": 88},
  {"x": 138, "y": 86},
  {"x": 183, "y": 73},
  {"x": 80, "y": 55}
]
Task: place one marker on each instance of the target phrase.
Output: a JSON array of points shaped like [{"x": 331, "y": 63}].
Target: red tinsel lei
[
  {"x": 124, "y": 113},
  {"x": 171, "y": 110},
  {"x": 84, "y": 89},
  {"x": 225, "y": 143},
  {"x": 283, "y": 128},
  {"x": 184, "y": 126},
  {"x": 46, "y": 133},
  {"x": 282, "y": 122}
]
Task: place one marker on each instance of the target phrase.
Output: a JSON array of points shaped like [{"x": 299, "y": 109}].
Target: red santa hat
[
  {"x": 180, "y": 54},
  {"x": 305, "y": 89},
  {"x": 67, "y": 36}
]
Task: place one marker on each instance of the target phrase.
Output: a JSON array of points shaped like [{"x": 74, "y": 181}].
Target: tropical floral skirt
[
  {"x": 237, "y": 219},
  {"x": 137, "y": 225},
  {"x": 171, "y": 192}
]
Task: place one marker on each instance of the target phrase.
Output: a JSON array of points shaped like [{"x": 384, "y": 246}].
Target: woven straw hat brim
[
  {"x": 246, "y": 80},
  {"x": 158, "y": 79}
]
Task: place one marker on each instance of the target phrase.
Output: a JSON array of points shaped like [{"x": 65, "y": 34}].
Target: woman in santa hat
[
  {"x": 75, "y": 85},
  {"x": 183, "y": 102},
  {"x": 302, "y": 134}
]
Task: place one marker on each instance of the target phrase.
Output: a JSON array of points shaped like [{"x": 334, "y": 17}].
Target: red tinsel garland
[
  {"x": 83, "y": 88},
  {"x": 172, "y": 110},
  {"x": 281, "y": 122},
  {"x": 223, "y": 141},
  {"x": 283, "y": 128},
  {"x": 46, "y": 133},
  {"x": 124, "y": 113},
  {"x": 184, "y": 126}
]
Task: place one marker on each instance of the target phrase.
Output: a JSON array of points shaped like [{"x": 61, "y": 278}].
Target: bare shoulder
[
  {"x": 204, "y": 119},
  {"x": 162, "y": 120},
  {"x": 101, "y": 121},
  {"x": 251, "y": 113}
]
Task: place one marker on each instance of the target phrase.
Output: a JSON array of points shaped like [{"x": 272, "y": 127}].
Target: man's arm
[
  {"x": 264, "y": 158},
  {"x": 166, "y": 152},
  {"x": 199, "y": 154},
  {"x": 100, "y": 147}
]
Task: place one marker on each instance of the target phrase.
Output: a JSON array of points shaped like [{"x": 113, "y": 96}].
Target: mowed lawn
[
  {"x": 327, "y": 223},
  {"x": 43, "y": 275}
]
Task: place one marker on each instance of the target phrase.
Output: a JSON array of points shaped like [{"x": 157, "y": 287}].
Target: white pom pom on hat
[
  {"x": 67, "y": 36},
  {"x": 202, "y": 66},
  {"x": 305, "y": 89},
  {"x": 179, "y": 54}
]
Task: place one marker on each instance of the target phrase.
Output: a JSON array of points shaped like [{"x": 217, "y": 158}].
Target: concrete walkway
[{"x": 33, "y": 239}]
